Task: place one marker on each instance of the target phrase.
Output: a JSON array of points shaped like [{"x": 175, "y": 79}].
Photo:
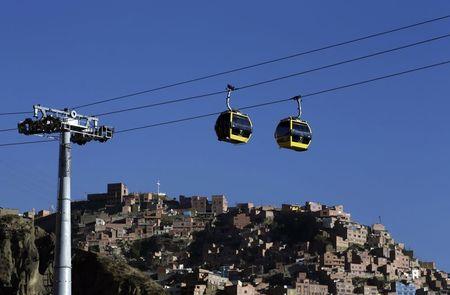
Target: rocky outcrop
[
  {"x": 20, "y": 269},
  {"x": 26, "y": 263}
]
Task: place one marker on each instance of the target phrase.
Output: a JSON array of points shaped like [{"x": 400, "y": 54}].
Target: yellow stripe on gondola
[{"x": 239, "y": 138}]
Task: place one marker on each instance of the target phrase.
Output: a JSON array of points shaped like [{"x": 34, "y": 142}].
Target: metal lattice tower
[{"x": 78, "y": 129}]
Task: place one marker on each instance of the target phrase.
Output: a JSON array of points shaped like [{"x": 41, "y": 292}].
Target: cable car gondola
[
  {"x": 294, "y": 133},
  {"x": 232, "y": 125}
]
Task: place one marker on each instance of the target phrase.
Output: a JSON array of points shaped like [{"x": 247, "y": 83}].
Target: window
[
  {"x": 241, "y": 122},
  {"x": 283, "y": 129}
]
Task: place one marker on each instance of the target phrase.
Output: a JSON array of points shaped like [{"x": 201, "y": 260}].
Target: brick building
[
  {"x": 343, "y": 287},
  {"x": 241, "y": 220},
  {"x": 340, "y": 244},
  {"x": 199, "y": 204},
  {"x": 335, "y": 211},
  {"x": 240, "y": 289},
  {"x": 399, "y": 260},
  {"x": 219, "y": 204},
  {"x": 305, "y": 286},
  {"x": 185, "y": 202},
  {"x": 356, "y": 269},
  {"x": 354, "y": 233},
  {"x": 186, "y": 225},
  {"x": 114, "y": 194},
  {"x": 313, "y": 207},
  {"x": 330, "y": 259},
  {"x": 370, "y": 290}
]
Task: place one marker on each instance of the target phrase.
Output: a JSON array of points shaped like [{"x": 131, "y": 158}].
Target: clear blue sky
[{"x": 380, "y": 149}]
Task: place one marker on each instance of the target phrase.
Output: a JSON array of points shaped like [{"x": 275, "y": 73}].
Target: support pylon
[
  {"x": 63, "y": 253},
  {"x": 71, "y": 127}
]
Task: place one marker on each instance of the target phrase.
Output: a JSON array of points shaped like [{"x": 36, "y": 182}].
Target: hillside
[
  {"x": 203, "y": 245},
  {"x": 144, "y": 243},
  {"x": 26, "y": 257}
]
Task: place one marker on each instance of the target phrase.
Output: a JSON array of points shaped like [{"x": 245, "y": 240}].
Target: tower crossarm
[{"x": 82, "y": 128}]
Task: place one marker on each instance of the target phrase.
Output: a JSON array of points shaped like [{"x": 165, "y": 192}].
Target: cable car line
[
  {"x": 290, "y": 98},
  {"x": 204, "y": 95},
  {"x": 8, "y": 129},
  {"x": 14, "y": 113},
  {"x": 275, "y": 79},
  {"x": 346, "y": 61},
  {"x": 169, "y": 122},
  {"x": 26, "y": 142},
  {"x": 378, "y": 34},
  {"x": 374, "y": 35},
  {"x": 259, "y": 104},
  {"x": 161, "y": 103}
]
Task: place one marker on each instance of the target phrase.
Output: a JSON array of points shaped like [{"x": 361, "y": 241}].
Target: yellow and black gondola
[
  {"x": 233, "y": 126},
  {"x": 294, "y": 133}
]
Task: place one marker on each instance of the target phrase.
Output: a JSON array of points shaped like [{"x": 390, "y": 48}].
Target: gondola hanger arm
[
  {"x": 298, "y": 98},
  {"x": 230, "y": 88}
]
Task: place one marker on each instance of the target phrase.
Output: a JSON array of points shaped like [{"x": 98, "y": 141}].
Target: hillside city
[{"x": 200, "y": 245}]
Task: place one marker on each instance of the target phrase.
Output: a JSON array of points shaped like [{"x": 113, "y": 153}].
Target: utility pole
[{"x": 78, "y": 129}]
